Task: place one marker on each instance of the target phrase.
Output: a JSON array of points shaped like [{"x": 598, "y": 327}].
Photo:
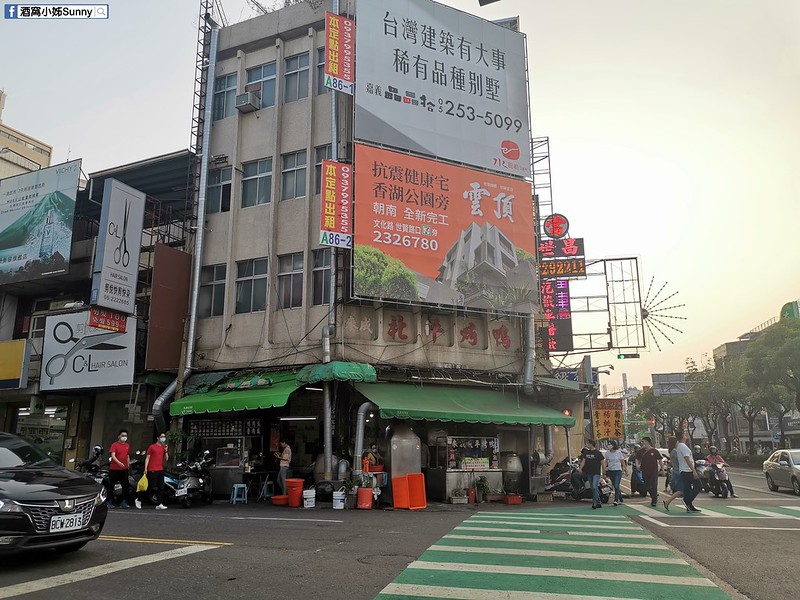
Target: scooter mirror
[{"x": 72, "y": 460}]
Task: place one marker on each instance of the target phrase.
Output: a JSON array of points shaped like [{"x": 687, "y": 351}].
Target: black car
[{"x": 43, "y": 505}]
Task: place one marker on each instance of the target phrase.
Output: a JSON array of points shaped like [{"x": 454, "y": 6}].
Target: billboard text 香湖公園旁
[
  {"x": 431, "y": 232},
  {"x": 37, "y": 210},
  {"x": 443, "y": 83}
]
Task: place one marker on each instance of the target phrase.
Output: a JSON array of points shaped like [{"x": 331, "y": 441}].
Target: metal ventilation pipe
[
  {"x": 549, "y": 452},
  {"x": 163, "y": 399},
  {"x": 530, "y": 358},
  {"x": 360, "y": 421}
]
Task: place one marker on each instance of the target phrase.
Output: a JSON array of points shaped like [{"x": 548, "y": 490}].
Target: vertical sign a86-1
[{"x": 339, "y": 53}]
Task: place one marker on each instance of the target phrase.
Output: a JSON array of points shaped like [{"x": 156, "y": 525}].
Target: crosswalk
[
  {"x": 551, "y": 554},
  {"x": 720, "y": 511}
]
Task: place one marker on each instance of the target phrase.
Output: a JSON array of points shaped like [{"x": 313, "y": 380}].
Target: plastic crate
[
  {"x": 416, "y": 491},
  {"x": 513, "y": 499},
  {"x": 400, "y": 492}
]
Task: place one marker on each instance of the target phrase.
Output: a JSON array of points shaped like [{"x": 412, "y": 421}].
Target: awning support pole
[{"x": 569, "y": 451}]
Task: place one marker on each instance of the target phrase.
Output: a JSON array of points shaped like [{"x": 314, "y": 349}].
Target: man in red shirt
[
  {"x": 649, "y": 460},
  {"x": 154, "y": 467},
  {"x": 118, "y": 469}
]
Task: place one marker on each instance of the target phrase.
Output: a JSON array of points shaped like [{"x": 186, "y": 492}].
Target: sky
[{"x": 673, "y": 130}]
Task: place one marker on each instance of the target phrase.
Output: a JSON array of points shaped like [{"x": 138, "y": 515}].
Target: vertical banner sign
[
  {"x": 337, "y": 195},
  {"x": 116, "y": 265},
  {"x": 562, "y": 258},
  {"x": 36, "y": 214},
  {"x": 340, "y": 41},
  {"x": 607, "y": 418},
  {"x": 556, "y": 305}
]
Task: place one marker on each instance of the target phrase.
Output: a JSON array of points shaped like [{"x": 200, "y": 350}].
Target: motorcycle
[
  {"x": 637, "y": 481},
  {"x": 718, "y": 477},
  {"x": 91, "y": 467},
  {"x": 702, "y": 468},
  {"x": 561, "y": 476},
  {"x": 194, "y": 481},
  {"x": 581, "y": 490}
]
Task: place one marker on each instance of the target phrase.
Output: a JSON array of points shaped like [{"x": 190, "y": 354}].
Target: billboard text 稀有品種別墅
[
  {"x": 37, "y": 210},
  {"x": 436, "y": 81},
  {"x": 431, "y": 232}
]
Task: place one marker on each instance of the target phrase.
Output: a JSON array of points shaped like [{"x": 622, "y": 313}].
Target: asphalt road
[{"x": 749, "y": 545}]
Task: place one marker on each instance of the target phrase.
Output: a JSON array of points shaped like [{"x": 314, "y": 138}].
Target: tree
[
  {"x": 780, "y": 403},
  {"x": 380, "y": 276},
  {"x": 774, "y": 358},
  {"x": 714, "y": 393},
  {"x": 750, "y": 407}
]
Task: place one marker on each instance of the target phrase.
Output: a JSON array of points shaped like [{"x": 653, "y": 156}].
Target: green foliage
[
  {"x": 381, "y": 276},
  {"x": 524, "y": 256},
  {"x": 773, "y": 359}
]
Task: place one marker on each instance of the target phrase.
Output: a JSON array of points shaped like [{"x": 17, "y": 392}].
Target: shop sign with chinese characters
[
  {"x": 607, "y": 418},
  {"x": 437, "y": 81},
  {"x": 558, "y": 313},
  {"x": 339, "y": 53},
  {"x": 431, "y": 232},
  {"x": 561, "y": 258},
  {"x": 337, "y": 185},
  {"x": 108, "y": 319}
]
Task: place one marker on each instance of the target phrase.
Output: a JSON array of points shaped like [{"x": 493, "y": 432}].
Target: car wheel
[
  {"x": 70, "y": 548},
  {"x": 796, "y": 486},
  {"x": 771, "y": 484}
]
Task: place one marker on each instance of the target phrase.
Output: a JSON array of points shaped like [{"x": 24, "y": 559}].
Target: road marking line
[
  {"x": 451, "y": 593},
  {"x": 606, "y": 535},
  {"x": 92, "y": 572},
  {"x": 583, "y": 555},
  {"x": 659, "y": 523},
  {"x": 499, "y": 538},
  {"x": 542, "y": 522},
  {"x": 791, "y": 507},
  {"x": 284, "y": 519},
  {"x": 122, "y": 538},
  {"x": 570, "y": 573},
  {"x": 771, "y": 515},
  {"x": 579, "y": 522},
  {"x": 535, "y": 515},
  {"x": 609, "y": 535}
]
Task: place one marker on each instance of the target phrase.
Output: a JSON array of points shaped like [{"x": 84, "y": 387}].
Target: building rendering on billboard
[
  {"x": 431, "y": 232},
  {"x": 37, "y": 210},
  {"x": 116, "y": 266},
  {"x": 442, "y": 83}
]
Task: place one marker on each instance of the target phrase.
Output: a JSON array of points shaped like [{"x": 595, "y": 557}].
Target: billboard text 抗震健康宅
[
  {"x": 427, "y": 231},
  {"x": 437, "y": 81},
  {"x": 36, "y": 214}
]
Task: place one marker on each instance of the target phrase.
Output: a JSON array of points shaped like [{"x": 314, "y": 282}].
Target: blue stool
[
  {"x": 267, "y": 490},
  {"x": 239, "y": 494}
]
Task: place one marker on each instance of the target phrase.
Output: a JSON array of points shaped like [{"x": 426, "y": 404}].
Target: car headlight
[
  {"x": 9, "y": 506},
  {"x": 101, "y": 497}
]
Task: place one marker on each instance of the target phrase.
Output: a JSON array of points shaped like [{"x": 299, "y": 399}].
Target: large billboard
[
  {"x": 36, "y": 214},
  {"x": 116, "y": 265},
  {"x": 440, "y": 82},
  {"x": 431, "y": 232},
  {"x": 76, "y": 355}
]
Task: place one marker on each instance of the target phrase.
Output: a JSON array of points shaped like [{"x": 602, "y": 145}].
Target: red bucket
[
  {"x": 296, "y": 496},
  {"x": 364, "y": 498}
]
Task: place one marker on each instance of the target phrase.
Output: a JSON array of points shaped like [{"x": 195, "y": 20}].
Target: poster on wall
[
  {"x": 37, "y": 210},
  {"x": 439, "y": 82},
  {"x": 76, "y": 355},
  {"x": 436, "y": 233}
]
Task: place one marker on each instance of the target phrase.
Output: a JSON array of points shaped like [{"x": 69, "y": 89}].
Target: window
[
  {"x": 257, "y": 183},
  {"x": 293, "y": 175},
  {"x": 212, "y": 291},
  {"x": 322, "y": 153},
  {"x": 295, "y": 77},
  {"x": 219, "y": 190},
  {"x": 321, "y": 89},
  {"x": 321, "y": 277},
  {"x": 224, "y": 96},
  {"x": 251, "y": 285},
  {"x": 290, "y": 280},
  {"x": 265, "y": 75}
]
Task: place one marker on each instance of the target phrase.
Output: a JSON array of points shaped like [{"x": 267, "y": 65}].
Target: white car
[{"x": 782, "y": 469}]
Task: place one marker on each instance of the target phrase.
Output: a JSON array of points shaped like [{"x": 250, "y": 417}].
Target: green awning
[
  {"x": 271, "y": 396},
  {"x": 459, "y": 404},
  {"x": 561, "y": 384},
  {"x": 338, "y": 371}
]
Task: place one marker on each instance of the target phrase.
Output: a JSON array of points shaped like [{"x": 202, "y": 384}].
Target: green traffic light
[{"x": 622, "y": 356}]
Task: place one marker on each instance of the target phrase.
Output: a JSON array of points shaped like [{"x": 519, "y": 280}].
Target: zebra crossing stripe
[
  {"x": 627, "y": 546},
  {"x": 559, "y": 554},
  {"x": 539, "y": 523},
  {"x": 454, "y": 593},
  {"x": 765, "y": 513},
  {"x": 572, "y": 533},
  {"x": 538, "y": 515}
]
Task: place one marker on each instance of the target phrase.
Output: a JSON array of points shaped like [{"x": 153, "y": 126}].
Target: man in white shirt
[{"x": 689, "y": 476}]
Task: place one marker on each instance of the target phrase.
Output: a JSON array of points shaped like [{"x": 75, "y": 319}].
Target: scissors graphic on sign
[
  {"x": 121, "y": 251},
  {"x": 58, "y": 362}
]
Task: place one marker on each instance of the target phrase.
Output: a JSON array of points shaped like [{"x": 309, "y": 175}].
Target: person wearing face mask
[
  {"x": 118, "y": 468},
  {"x": 154, "y": 467}
]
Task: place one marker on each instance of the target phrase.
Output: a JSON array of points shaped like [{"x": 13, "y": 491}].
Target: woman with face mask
[
  {"x": 154, "y": 467},
  {"x": 118, "y": 468}
]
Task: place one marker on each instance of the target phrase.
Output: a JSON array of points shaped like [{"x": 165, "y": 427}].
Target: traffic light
[{"x": 621, "y": 356}]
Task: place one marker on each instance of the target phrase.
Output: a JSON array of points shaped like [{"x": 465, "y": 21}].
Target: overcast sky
[{"x": 673, "y": 126}]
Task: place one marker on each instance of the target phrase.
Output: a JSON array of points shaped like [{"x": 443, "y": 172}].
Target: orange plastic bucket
[
  {"x": 293, "y": 483},
  {"x": 296, "y": 497},
  {"x": 364, "y": 498}
]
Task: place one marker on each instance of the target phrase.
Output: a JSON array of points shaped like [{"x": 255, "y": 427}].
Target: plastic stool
[
  {"x": 239, "y": 494},
  {"x": 267, "y": 490}
]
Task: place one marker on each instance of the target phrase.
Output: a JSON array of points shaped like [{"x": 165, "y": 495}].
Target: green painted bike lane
[{"x": 551, "y": 554}]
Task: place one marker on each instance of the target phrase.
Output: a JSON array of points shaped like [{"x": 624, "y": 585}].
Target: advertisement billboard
[
  {"x": 337, "y": 197},
  {"x": 116, "y": 265},
  {"x": 76, "y": 355},
  {"x": 340, "y": 39},
  {"x": 14, "y": 362},
  {"x": 432, "y": 232},
  {"x": 607, "y": 419},
  {"x": 443, "y": 83},
  {"x": 36, "y": 214}
]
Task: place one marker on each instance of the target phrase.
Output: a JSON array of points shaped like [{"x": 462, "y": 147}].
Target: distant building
[{"x": 19, "y": 152}]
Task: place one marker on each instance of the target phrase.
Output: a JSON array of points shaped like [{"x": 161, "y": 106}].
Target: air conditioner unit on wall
[{"x": 248, "y": 102}]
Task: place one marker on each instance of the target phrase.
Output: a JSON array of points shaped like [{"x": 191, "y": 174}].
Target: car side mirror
[{"x": 783, "y": 463}]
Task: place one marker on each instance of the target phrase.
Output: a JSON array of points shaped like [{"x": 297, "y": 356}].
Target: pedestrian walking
[
  {"x": 285, "y": 461},
  {"x": 118, "y": 469},
  {"x": 615, "y": 466},
  {"x": 157, "y": 454},
  {"x": 689, "y": 476},
  {"x": 649, "y": 461},
  {"x": 592, "y": 467},
  {"x": 675, "y": 484}
]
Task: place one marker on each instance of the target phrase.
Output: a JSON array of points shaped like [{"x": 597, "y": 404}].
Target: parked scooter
[
  {"x": 702, "y": 468},
  {"x": 194, "y": 482},
  {"x": 561, "y": 476},
  {"x": 91, "y": 467},
  {"x": 581, "y": 490},
  {"x": 717, "y": 476},
  {"x": 637, "y": 481}
]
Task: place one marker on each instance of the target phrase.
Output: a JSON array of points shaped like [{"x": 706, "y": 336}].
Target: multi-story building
[{"x": 19, "y": 152}]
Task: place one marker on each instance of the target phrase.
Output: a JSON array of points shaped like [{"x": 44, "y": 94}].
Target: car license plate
[
  {"x": 66, "y": 522},
  {"x": 181, "y": 492}
]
